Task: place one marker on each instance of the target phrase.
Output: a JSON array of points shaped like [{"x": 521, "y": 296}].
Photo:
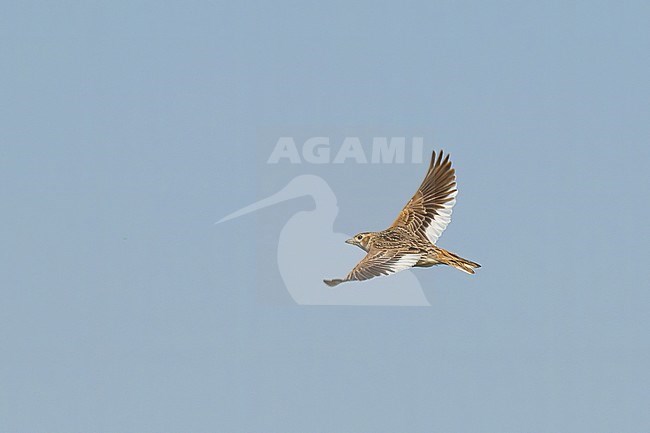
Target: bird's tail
[{"x": 451, "y": 259}]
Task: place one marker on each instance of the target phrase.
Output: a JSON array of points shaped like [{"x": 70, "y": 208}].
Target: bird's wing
[
  {"x": 379, "y": 262},
  {"x": 428, "y": 213}
]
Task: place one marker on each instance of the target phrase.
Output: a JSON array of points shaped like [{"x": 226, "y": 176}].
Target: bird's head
[{"x": 362, "y": 240}]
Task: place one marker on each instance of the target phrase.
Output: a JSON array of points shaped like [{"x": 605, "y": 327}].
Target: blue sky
[{"x": 127, "y": 129}]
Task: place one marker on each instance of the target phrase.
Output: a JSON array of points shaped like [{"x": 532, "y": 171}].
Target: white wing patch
[
  {"x": 440, "y": 222},
  {"x": 405, "y": 262}
]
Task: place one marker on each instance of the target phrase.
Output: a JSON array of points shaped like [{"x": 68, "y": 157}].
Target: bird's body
[
  {"x": 410, "y": 241},
  {"x": 400, "y": 238}
]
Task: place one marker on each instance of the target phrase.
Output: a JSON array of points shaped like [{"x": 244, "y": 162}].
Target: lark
[{"x": 411, "y": 240}]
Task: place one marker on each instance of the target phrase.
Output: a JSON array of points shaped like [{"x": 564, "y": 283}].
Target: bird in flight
[{"x": 410, "y": 241}]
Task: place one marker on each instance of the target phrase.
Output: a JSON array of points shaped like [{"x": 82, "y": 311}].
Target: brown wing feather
[
  {"x": 379, "y": 262},
  {"x": 429, "y": 210}
]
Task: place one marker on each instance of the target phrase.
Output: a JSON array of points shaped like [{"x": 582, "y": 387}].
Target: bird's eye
[{"x": 359, "y": 237}]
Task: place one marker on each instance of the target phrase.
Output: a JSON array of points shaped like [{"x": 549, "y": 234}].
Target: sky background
[{"x": 127, "y": 129}]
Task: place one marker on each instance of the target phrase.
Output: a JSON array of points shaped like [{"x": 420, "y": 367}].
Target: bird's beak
[{"x": 350, "y": 241}]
